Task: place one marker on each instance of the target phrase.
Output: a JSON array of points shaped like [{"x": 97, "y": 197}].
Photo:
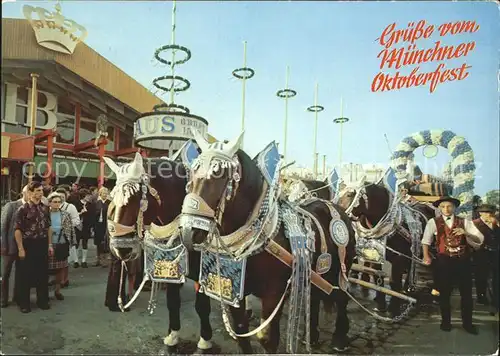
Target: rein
[
  {"x": 260, "y": 226},
  {"x": 118, "y": 232}
]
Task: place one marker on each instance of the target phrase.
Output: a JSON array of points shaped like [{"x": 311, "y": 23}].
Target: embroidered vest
[
  {"x": 491, "y": 236},
  {"x": 447, "y": 243}
]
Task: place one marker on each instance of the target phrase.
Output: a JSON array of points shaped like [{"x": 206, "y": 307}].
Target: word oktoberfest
[{"x": 409, "y": 54}]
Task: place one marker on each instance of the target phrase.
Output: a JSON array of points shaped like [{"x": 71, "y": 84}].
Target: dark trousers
[
  {"x": 8, "y": 263},
  {"x": 82, "y": 236},
  {"x": 455, "y": 271},
  {"x": 34, "y": 272},
  {"x": 486, "y": 266},
  {"x": 113, "y": 285}
]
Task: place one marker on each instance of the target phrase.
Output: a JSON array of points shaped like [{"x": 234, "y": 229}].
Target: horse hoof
[
  {"x": 340, "y": 347},
  {"x": 340, "y": 343},
  {"x": 172, "y": 350},
  {"x": 171, "y": 339},
  {"x": 204, "y": 345}
]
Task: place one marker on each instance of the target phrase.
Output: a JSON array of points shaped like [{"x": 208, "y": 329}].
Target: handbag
[{"x": 61, "y": 250}]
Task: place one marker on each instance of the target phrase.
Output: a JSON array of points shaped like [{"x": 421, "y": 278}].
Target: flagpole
[
  {"x": 286, "y": 94},
  {"x": 244, "y": 73},
  {"x": 341, "y": 120},
  {"x": 315, "y": 109}
]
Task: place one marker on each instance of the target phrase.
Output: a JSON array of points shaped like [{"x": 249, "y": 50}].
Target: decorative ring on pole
[
  {"x": 175, "y": 48},
  {"x": 172, "y": 107},
  {"x": 462, "y": 165},
  {"x": 341, "y": 120},
  {"x": 286, "y": 93},
  {"x": 243, "y": 73},
  {"x": 174, "y": 78},
  {"x": 315, "y": 108},
  {"x": 156, "y": 138}
]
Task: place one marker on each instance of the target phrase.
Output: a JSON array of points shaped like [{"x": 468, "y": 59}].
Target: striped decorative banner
[{"x": 462, "y": 164}]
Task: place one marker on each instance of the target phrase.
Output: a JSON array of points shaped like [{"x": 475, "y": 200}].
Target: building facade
[{"x": 77, "y": 94}]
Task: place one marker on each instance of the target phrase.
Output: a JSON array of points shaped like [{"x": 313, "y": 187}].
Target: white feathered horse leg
[
  {"x": 172, "y": 339},
  {"x": 204, "y": 344}
]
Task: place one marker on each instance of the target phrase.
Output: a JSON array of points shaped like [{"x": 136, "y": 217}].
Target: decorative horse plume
[
  {"x": 128, "y": 172},
  {"x": 227, "y": 149},
  {"x": 128, "y": 177}
]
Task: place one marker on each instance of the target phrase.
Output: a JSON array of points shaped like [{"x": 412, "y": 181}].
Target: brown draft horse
[
  {"x": 266, "y": 277},
  {"x": 369, "y": 213},
  {"x": 169, "y": 179}
]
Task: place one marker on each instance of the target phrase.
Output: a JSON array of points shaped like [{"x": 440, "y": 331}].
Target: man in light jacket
[{"x": 9, "y": 246}]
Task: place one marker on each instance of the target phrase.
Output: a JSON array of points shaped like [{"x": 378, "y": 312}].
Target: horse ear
[
  {"x": 138, "y": 159},
  {"x": 111, "y": 164},
  {"x": 137, "y": 165},
  {"x": 200, "y": 139},
  {"x": 234, "y": 145}
]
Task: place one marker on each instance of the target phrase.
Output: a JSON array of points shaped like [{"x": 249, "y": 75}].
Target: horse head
[
  {"x": 367, "y": 200},
  {"x": 134, "y": 205},
  {"x": 224, "y": 187},
  {"x": 353, "y": 198}
]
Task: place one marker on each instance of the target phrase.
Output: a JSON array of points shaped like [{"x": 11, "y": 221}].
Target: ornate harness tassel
[{"x": 301, "y": 279}]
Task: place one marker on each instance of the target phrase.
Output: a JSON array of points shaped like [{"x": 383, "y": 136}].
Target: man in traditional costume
[
  {"x": 454, "y": 237},
  {"x": 487, "y": 256}
]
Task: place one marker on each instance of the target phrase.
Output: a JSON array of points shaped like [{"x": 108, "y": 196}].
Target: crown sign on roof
[{"x": 53, "y": 30}]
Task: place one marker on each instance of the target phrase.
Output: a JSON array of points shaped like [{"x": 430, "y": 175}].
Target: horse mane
[
  {"x": 156, "y": 162},
  {"x": 313, "y": 184},
  {"x": 248, "y": 193},
  {"x": 321, "y": 189},
  {"x": 252, "y": 180},
  {"x": 378, "y": 196},
  {"x": 171, "y": 187}
]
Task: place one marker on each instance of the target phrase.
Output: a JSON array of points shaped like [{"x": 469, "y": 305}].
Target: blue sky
[{"x": 333, "y": 43}]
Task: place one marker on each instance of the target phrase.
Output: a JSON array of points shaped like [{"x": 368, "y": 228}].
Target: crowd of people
[{"x": 45, "y": 232}]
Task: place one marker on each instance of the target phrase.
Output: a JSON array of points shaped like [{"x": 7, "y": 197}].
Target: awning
[{"x": 17, "y": 147}]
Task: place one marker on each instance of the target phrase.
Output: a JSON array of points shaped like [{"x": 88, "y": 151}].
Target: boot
[
  {"x": 481, "y": 299},
  {"x": 471, "y": 329}
]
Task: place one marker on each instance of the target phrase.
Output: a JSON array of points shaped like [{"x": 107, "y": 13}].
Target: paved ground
[{"x": 82, "y": 325}]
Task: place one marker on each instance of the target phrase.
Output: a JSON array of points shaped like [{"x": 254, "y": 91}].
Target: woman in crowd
[
  {"x": 101, "y": 227},
  {"x": 85, "y": 209},
  {"x": 62, "y": 237}
]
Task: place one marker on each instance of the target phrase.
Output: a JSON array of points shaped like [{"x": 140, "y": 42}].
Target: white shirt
[
  {"x": 73, "y": 213},
  {"x": 431, "y": 229}
]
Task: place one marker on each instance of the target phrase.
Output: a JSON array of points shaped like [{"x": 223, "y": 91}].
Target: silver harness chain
[{"x": 127, "y": 190}]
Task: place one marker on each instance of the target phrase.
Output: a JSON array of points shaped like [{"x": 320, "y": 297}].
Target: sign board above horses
[{"x": 159, "y": 130}]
